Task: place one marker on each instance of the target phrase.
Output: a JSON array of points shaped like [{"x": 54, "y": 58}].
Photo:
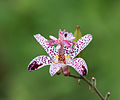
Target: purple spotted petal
[
  {"x": 79, "y": 65},
  {"x": 80, "y": 45},
  {"x": 51, "y": 50},
  {"x": 55, "y": 67},
  {"x": 67, "y": 50},
  {"x": 39, "y": 62}
]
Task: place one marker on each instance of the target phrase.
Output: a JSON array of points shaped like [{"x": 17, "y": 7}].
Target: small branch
[{"x": 90, "y": 84}]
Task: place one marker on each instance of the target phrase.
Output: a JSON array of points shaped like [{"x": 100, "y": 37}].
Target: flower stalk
[{"x": 91, "y": 85}]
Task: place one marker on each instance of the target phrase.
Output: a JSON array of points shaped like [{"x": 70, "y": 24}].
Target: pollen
[
  {"x": 56, "y": 59},
  {"x": 67, "y": 58}
]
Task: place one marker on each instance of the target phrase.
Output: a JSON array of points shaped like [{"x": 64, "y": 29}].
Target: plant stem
[{"x": 90, "y": 84}]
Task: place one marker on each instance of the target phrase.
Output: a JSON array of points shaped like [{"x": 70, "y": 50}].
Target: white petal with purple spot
[
  {"x": 39, "y": 62},
  {"x": 79, "y": 65},
  {"x": 80, "y": 45},
  {"x": 51, "y": 50},
  {"x": 54, "y": 68}
]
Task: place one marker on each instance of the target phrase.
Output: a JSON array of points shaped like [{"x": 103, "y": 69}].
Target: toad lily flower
[{"x": 62, "y": 56}]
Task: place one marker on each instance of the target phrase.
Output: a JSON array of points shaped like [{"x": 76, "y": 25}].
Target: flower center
[{"x": 56, "y": 59}]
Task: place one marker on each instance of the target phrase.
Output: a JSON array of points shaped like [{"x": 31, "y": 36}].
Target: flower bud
[
  {"x": 77, "y": 34},
  {"x": 107, "y": 96}
]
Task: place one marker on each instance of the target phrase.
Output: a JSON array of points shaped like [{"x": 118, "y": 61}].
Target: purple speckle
[
  {"x": 84, "y": 71},
  {"x": 34, "y": 66}
]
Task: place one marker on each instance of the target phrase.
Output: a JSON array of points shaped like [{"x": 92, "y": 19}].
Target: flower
[
  {"x": 62, "y": 56},
  {"x": 65, "y": 39}
]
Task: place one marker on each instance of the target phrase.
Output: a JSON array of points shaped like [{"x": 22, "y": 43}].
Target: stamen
[
  {"x": 72, "y": 38},
  {"x": 56, "y": 59},
  {"x": 67, "y": 58},
  {"x": 52, "y": 37}
]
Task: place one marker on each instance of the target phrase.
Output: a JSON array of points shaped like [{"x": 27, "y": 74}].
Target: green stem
[{"x": 89, "y": 83}]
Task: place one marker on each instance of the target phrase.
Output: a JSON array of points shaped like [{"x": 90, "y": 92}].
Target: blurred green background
[{"x": 21, "y": 19}]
